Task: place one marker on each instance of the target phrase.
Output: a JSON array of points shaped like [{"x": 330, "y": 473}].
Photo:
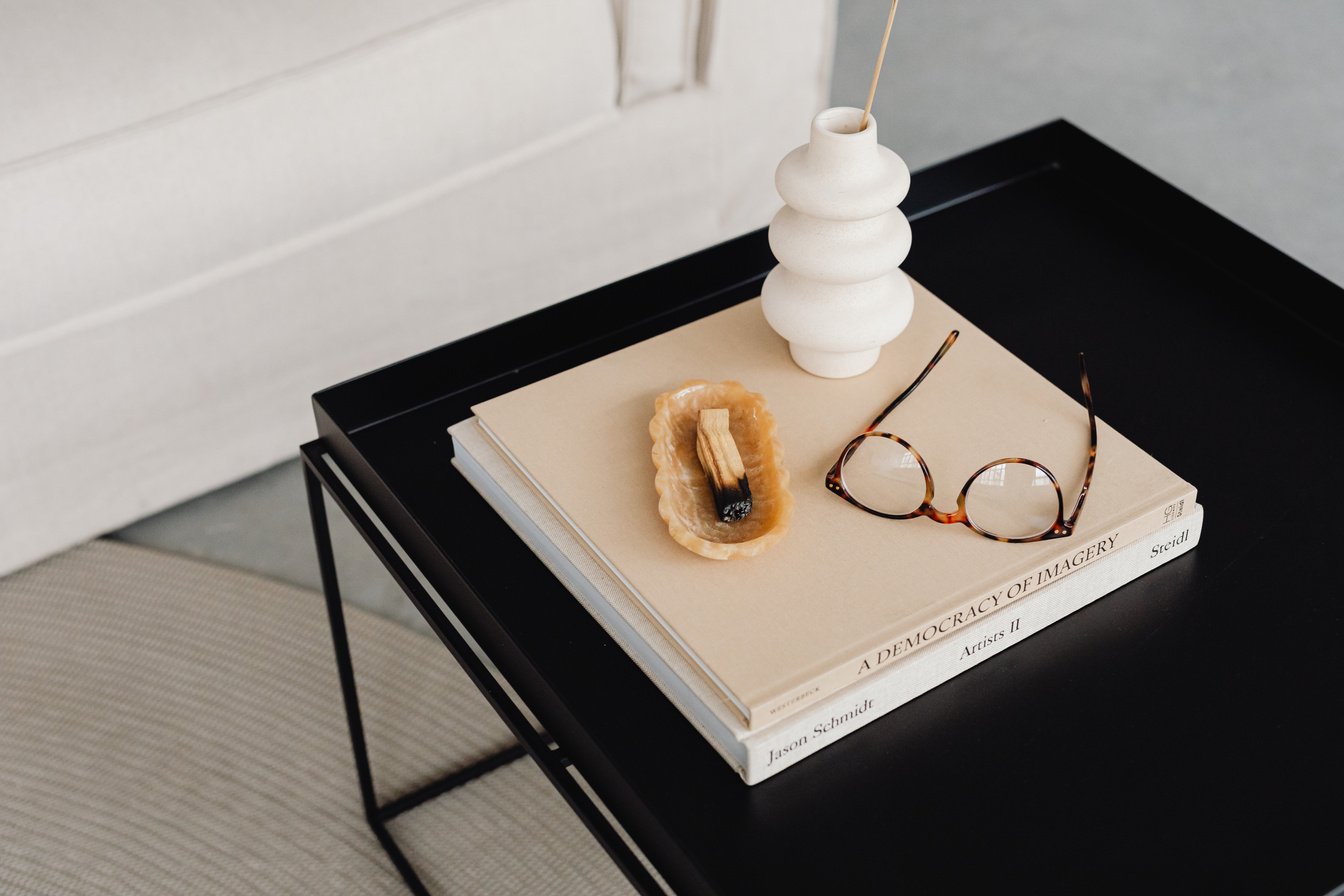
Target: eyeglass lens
[
  {"x": 883, "y": 475},
  {"x": 1012, "y": 500}
]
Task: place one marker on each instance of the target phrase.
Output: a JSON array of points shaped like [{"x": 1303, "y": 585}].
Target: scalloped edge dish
[{"x": 685, "y": 501}]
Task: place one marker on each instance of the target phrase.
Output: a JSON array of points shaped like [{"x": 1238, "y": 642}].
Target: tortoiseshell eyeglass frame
[{"x": 1062, "y": 527}]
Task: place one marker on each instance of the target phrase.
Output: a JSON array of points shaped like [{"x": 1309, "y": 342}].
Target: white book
[{"x": 758, "y": 754}]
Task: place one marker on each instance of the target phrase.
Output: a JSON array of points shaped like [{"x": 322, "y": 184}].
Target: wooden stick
[
  {"x": 877, "y": 69},
  {"x": 723, "y": 465}
]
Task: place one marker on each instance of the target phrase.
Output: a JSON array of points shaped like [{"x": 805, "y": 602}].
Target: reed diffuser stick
[{"x": 877, "y": 69}]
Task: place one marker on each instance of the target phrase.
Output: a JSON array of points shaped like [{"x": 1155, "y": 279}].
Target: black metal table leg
[
  {"x": 345, "y": 667},
  {"x": 538, "y": 745}
]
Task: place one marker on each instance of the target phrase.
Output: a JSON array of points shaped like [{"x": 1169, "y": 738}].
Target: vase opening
[{"x": 843, "y": 121}]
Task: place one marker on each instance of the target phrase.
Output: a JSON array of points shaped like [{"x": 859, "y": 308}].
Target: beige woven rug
[{"x": 171, "y": 727}]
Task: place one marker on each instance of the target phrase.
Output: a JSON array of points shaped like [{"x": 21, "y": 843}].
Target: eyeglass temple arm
[
  {"x": 1092, "y": 450},
  {"x": 947, "y": 344}
]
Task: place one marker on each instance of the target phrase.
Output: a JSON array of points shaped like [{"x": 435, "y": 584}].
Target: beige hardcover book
[{"x": 845, "y": 592}]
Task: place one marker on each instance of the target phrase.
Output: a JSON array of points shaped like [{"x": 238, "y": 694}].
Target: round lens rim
[
  {"x": 845, "y": 492},
  {"x": 1013, "y": 539}
]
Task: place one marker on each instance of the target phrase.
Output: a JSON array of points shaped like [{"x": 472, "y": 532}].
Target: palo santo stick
[
  {"x": 723, "y": 465},
  {"x": 877, "y": 69}
]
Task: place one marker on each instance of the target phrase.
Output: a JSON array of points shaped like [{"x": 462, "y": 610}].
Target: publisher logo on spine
[{"x": 1173, "y": 512}]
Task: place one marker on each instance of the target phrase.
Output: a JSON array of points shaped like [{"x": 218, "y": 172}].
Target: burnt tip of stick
[
  {"x": 722, "y": 463},
  {"x": 733, "y": 503}
]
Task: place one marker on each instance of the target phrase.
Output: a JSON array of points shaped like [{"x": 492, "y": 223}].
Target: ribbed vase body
[{"x": 838, "y": 294}]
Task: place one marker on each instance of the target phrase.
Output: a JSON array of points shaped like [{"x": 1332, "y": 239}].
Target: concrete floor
[
  {"x": 1238, "y": 102},
  {"x": 261, "y": 524}
]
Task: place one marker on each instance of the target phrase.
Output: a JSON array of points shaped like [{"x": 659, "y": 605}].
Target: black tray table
[{"x": 1182, "y": 733}]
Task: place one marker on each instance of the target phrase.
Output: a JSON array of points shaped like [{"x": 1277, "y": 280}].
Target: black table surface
[{"x": 1182, "y": 733}]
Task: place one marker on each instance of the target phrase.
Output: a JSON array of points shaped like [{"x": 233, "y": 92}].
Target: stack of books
[{"x": 851, "y": 615}]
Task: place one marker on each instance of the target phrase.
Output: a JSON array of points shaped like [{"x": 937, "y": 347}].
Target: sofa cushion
[
  {"x": 78, "y": 74},
  {"x": 150, "y": 146}
]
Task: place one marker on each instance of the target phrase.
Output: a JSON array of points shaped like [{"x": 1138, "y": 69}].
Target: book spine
[
  {"x": 790, "y": 741},
  {"x": 1072, "y": 557}
]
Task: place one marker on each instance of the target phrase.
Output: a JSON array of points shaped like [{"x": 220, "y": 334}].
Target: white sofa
[{"x": 208, "y": 211}]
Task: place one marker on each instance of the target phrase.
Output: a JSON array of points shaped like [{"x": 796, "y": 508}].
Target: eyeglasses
[{"x": 1012, "y": 499}]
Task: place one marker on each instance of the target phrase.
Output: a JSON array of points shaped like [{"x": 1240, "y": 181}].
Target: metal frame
[{"x": 555, "y": 764}]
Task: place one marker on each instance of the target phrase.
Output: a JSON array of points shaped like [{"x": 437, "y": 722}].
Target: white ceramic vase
[{"x": 837, "y": 294}]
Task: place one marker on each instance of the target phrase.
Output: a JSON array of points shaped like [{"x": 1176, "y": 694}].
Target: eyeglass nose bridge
[{"x": 946, "y": 517}]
